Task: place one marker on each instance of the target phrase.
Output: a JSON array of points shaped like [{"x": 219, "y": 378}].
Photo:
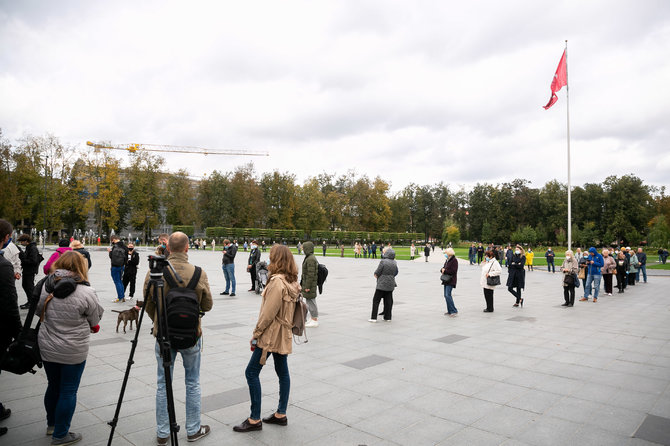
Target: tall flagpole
[{"x": 567, "y": 102}]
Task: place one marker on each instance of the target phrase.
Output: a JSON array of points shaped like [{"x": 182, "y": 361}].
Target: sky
[{"x": 414, "y": 92}]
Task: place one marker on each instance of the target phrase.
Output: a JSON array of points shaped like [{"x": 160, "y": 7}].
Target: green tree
[
  {"x": 659, "y": 235},
  {"x": 143, "y": 189},
  {"x": 310, "y": 214},
  {"x": 180, "y": 199},
  {"x": 279, "y": 199},
  {"x": 246, "y": 198},
  {"x": 213, "y": 200}
]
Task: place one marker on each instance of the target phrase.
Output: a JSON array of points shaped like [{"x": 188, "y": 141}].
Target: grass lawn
[{"x": 658, "y": 266}]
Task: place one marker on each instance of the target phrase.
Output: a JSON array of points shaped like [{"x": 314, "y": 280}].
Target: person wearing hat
[{"x": 593, "y": 274}]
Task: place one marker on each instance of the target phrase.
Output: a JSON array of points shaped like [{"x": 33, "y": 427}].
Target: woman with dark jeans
[
  {"x": 621, "y": 271},
  {"x": 272, "y": 335},
  {"x": 569, "y": 269},
  {"x": 517, "y": 275},
  {"x": 608, "y": 269},
  {"x": 70, "y": 312},
  {"x": 450, "y": 268},
  {"x": 385, "y": 275}
]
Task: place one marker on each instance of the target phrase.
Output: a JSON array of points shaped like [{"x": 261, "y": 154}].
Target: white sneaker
[
  {"x": 312, "y": 323},
  {"x": 372, "y": 320}
]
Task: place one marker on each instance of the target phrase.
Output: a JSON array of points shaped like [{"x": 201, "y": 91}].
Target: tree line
[{"x": 49, "y": 185}]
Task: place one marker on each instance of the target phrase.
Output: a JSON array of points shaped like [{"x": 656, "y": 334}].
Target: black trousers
[
  {"x": 388, "y": 304},
  {"x": 252, "y": 273},
  {"x": 569, "y": 294},
  {"x": 488, "y": 296},
  {"x": 129, "y": 277},
  {"x": 28, "y": 284},
  {"x": 480, "y": 257},
  {"x": 608, "y": 282},
  {"x": 631, "y": 278},
  {"x": 516, "y": 293}
]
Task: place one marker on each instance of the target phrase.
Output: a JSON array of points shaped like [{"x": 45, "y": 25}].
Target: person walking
[
  {"x": 272, "y": 336},
  {"x": 385, "y": 274},
  {"x": 10, "y": 319},
  {"x": 621, "y": 271},
  {"x": 177, "y": 246},
  {"x": 641, "y": 259},
  {"x": 426, "y": 251},
  {"x": 594, "y": 264},
  {"x": 490, "y": 268},
  {"x": 450, "y": 273},
  {"x": 633, "y": 263},
  {"x": 70, "y": 311},
  {"x": 549, "y": 255},
  {"x": 254, "y": 258},
  {"x": 118, "y": 256},
  {"x": 608, "y": 270},
  {"x": 569, "y": 269},
  {"x": 308, "y": 279},
  {"x": 30, "y": 261},
  {"x": 130, "y": 271},
  {"x": 516, "y": 280},
  {"x": 530, "y": 255},
  {"x": 228, "y": 266}
]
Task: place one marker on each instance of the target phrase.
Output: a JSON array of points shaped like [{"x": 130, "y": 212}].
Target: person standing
[
  {"x": 642, "y": 265},
  {"x": 426, "y": 251},
  {"x": 130, "y": 271},
  {"x": 490, "y": 268},
  {"x": 12, "y": 253},
  {"x": 67, "y": 320},
  {"x": 118, "y": 255},
  {"x": 509, "y": 253},
  {"x": 308, "y": 280},
  {"x": 10, "y": 320},
  {"x": 63, "y": 246},
  {"x": 530, "y": 255},
  {"x": 569, "y": 269},
  {"x": 213, "y": 245},
  {"x": 254, "y": 258},
  {"x": 228, "y": 266},
  {"x": 633, "y": 263},
  {"x": 324, "y": 247},
  {"x": 621, "y": 271},
  {"x": 342, "y": 250},
  {"x": 593, "y": 276},
  {"x": 373, "y": 249},
  {"x": 30, "y": 261},
  {"x": 516, "y": 280},
  {"x": 480, "y": 253},
  {"x": 472, "y": 252},
  {"x": 178, "y": 248},
  {"x": 608, "y": 269},
  {"x": 77, "y": 246},
  {"x": 450, "y": 268},
  {"x": 412, "y": 252},
  {"x": 272, "y": 335},
  {"x": 549, "y": 255},
  {"x": 299, "y": 246},
  {"x": 385, "y": 274}
]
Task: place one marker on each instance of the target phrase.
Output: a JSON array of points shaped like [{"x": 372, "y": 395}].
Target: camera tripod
[{"x": 157, "y": 265}]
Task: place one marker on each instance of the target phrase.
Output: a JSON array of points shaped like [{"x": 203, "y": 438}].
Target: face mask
[
  {"x": 517, "y": 252},
  {"x": 446, "y": 255},
  {"x": 254, "y": 246}
]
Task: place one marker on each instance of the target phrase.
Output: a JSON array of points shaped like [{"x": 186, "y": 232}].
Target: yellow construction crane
[{"x": 132, "y": 148}]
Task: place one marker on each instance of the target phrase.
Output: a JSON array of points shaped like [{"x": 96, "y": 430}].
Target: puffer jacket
[
  {"x": 65, "y": 331},
  {"x": 310, "y": 270},
  {"x": 386, "y": 271},
  {"x": 275, "y": 319}
]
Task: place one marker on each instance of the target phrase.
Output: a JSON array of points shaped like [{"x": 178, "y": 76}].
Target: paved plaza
[{"x": 595, "y": 374}]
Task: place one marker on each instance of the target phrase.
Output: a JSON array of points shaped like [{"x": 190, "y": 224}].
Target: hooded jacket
[
  {"x": 310, "y": 270},
  {"x": 275, "y": 319},
  {"x": 30, "y": 258},
  {"x": 66, "y": 329},
  {"x": 54, "y": 257},
  {"x": 598, "y": 262},
  {"x": 386, "y": 271}
]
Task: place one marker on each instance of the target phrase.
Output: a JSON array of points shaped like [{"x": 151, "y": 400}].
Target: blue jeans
[
  {"x": 592, "y": 281},
  {"x": 451, "y": 308},
  {"x": 550, "y": 266},
  {"x": 254, "y": 369},
  {"x": 229, "y": 274},
  {"x": 642, "y": 268},
  {"x": 60, "y": 398},
  {"x": 117, "y": 277},
  {"x": 191, "y": 359},
  {"x": 472, "y": 259}
]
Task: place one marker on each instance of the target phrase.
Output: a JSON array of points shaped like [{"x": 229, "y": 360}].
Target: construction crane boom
[{"x": 134, "y": 147}]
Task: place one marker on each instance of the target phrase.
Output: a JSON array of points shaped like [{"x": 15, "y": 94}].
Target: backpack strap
[
  {"x": 169, "y": 279},
  {"x": 195, "y": 279}
]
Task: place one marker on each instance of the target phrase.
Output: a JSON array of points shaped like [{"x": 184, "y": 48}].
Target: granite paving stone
[{"x": 538, "y": 375}]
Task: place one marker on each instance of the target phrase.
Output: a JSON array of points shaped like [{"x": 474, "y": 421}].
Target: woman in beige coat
[
  {"x": 569, "y": 268},
  {"x": 490, "y": 268},
  {"x": 273, "y": 335}
]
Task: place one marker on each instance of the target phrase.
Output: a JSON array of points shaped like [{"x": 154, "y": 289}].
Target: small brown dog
[{"x": 128, "y": 316}]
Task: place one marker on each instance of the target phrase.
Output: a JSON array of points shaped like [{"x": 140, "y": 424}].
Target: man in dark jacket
[
  {"x": 480, "y": 253},
  {"x": 472, "y": 251},
  {"x": 641, "y": 259},
  {"x": 228, "y": 266},
  {"x": 308, "y": 280},
  {"x": 10, "y": 321},
  {"x": 30, "y": 262},
  {"x": 130, "y": 271},
  {"x": 426, "y": 251},
  {"x": 254, "y": 258},
  {"x": 118, "y": 255},
  {"x": 549, "y": 255}
]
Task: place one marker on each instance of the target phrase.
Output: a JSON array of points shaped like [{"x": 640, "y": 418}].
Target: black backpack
[
  {"x": 183, "y": 311},
  {"x": 321, "y": 275},
  {"x": 118, "y": 256}
]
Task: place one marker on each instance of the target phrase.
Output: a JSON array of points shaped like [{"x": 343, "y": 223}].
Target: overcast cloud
[{"x": 422, "y": 91}]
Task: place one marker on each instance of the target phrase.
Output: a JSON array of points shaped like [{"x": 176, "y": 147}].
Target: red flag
[{"x": 560, "y": 79}]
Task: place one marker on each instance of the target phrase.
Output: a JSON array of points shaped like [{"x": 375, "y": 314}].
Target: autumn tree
[
  {"x": 180, "y": 199},
  {"x": 143, "y": 190}
]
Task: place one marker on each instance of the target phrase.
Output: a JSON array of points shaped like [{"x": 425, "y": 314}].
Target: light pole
[{"x": 46, "y": 172}]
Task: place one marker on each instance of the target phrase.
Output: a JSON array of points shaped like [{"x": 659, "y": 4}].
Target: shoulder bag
[{"x": 492, "y": 281}]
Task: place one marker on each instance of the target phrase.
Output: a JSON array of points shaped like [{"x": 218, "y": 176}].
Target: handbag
[
  {"x": 582, "y": 273},
  {"x": 445, "y": 278},
  {"x": 492, "y": 281},
  {"x": 569, "y": 279},
  {"x": 24, "y": 353}
]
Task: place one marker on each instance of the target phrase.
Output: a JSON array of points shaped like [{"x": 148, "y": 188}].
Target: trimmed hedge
[{"x": 301, "y": 234}]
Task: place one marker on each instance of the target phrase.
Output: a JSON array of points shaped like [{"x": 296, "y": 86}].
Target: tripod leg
[{"x": 166, "y": 356}]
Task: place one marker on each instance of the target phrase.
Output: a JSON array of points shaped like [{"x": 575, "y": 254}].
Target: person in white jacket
[{"x": 490, "y": 268}]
